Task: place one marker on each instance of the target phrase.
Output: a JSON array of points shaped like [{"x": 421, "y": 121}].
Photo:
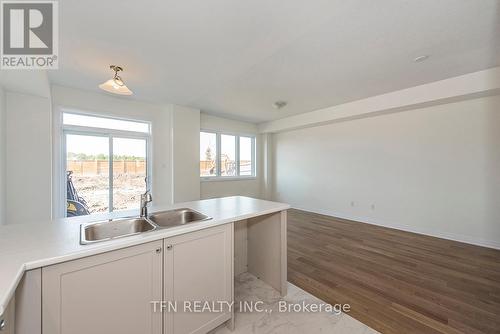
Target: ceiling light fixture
[
  {"x": 279, "y": 104},
  {"x": 115, "y": 85},
  {"x": 421, "y": 58}
]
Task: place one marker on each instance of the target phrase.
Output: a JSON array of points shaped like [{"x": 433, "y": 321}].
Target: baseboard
[{"x": 443, "y": 235}]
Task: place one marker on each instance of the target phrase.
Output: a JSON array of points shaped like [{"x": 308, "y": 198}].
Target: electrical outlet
[
  {"x": 352, "y": 203},
  {"x": 373, "y": 207}
]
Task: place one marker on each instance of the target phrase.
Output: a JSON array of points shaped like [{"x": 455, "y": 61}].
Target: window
[
  {"x": 226, "y": 155},
  {"x": 246, "y": 149},
  {"x": 104, "y": 123},
  {"x": 105, "y": 165},
  {"x": 208, "y": 154}
]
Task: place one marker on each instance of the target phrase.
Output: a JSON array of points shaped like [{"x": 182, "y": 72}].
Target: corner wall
[
  {"x": 28, "y": 163},
  {"x": 185, "y": 147},
  {"x": 2, "y": 156},
  {"x": 431, "y": 170}
]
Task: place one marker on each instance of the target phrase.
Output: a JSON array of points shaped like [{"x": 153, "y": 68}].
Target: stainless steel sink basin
[
  {"x": 177, "y": 217},
  {"x": 112, "y": 229},
  {"x": 118, "y": 228}
]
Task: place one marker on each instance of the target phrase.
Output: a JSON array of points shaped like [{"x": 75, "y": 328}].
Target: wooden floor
[{"x": 395, "y": 281}]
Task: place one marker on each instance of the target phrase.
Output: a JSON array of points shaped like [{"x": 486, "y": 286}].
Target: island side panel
[
  {"x": 232, "y": 322},
  {"x": 267, "y": 249},
  {"x": 284, "y": 250},
  {"x": 29, "y": 303},
  {"x": 240, "y": 247}
]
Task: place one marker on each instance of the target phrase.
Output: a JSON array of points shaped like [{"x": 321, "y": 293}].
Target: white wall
[
  {"x": 185, "y": 154},
  {"x": 26, "y": 82},
  {"x": 214, "y": 123},
  {"x": 433, "y": 170},
  {"x": 217, "y": 188},
  {"x": 2, "y": 156},
  {"x": 28, "y": 183},
  {"x": 103, "y": 104}
]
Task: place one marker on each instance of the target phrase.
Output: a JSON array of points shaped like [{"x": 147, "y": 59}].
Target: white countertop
[{"x": 29, "y": 246}]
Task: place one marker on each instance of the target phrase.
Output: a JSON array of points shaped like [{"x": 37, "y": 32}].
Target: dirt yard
[{"x": 94, "y": 189}]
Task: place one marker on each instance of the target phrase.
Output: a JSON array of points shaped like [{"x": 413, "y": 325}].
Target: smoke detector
[{"x": 279, "y": 104}]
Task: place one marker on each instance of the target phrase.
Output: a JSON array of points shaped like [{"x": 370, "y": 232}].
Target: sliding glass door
[
  {"x": 97, "y": 183},
  {"x": 129, "y": 172},
  {"x": 87, "y": 173}
]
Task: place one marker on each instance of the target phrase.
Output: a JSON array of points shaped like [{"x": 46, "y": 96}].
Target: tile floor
[{"x": 249, "y": 288}]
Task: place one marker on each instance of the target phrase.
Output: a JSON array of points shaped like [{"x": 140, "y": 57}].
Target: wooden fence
[
  {"x": 101, "y": 167},
  {"x": 207, "y": 165}
]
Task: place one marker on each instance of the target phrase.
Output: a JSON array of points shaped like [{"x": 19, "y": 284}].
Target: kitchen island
[{"x": 47, "y": 255}]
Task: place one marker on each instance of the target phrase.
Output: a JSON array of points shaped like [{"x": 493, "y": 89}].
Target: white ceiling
[{"x": 235, "y": 58}]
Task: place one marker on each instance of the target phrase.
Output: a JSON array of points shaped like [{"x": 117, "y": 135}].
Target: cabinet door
[
  {"x": 198, "y": 267},
  {"x": 104, "y": 294}
]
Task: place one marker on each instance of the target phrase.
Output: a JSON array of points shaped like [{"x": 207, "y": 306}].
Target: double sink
[{"x": 123, "y": 227}]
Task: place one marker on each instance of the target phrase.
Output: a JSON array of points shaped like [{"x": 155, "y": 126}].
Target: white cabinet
[
  {"x": 198, "y": 267},
  {"x": 106, "y": 293},
  {"x": 113, "y": 292}
]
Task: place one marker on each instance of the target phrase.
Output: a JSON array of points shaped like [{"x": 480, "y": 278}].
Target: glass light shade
[{"x": 115, "y": 86}]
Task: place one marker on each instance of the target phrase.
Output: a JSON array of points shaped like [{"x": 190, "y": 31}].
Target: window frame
[
  {"x": 105, "y": 133},
  {"x": 218, "y": 176}
]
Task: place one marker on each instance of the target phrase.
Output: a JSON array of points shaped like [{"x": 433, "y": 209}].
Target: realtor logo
[{"x": 29, "y": 34}]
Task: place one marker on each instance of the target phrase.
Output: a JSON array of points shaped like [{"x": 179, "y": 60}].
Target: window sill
[{"x": 227, "y": 178}]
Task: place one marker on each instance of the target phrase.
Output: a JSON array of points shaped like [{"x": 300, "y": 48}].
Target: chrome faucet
[{"x": 146, "y": 198}]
